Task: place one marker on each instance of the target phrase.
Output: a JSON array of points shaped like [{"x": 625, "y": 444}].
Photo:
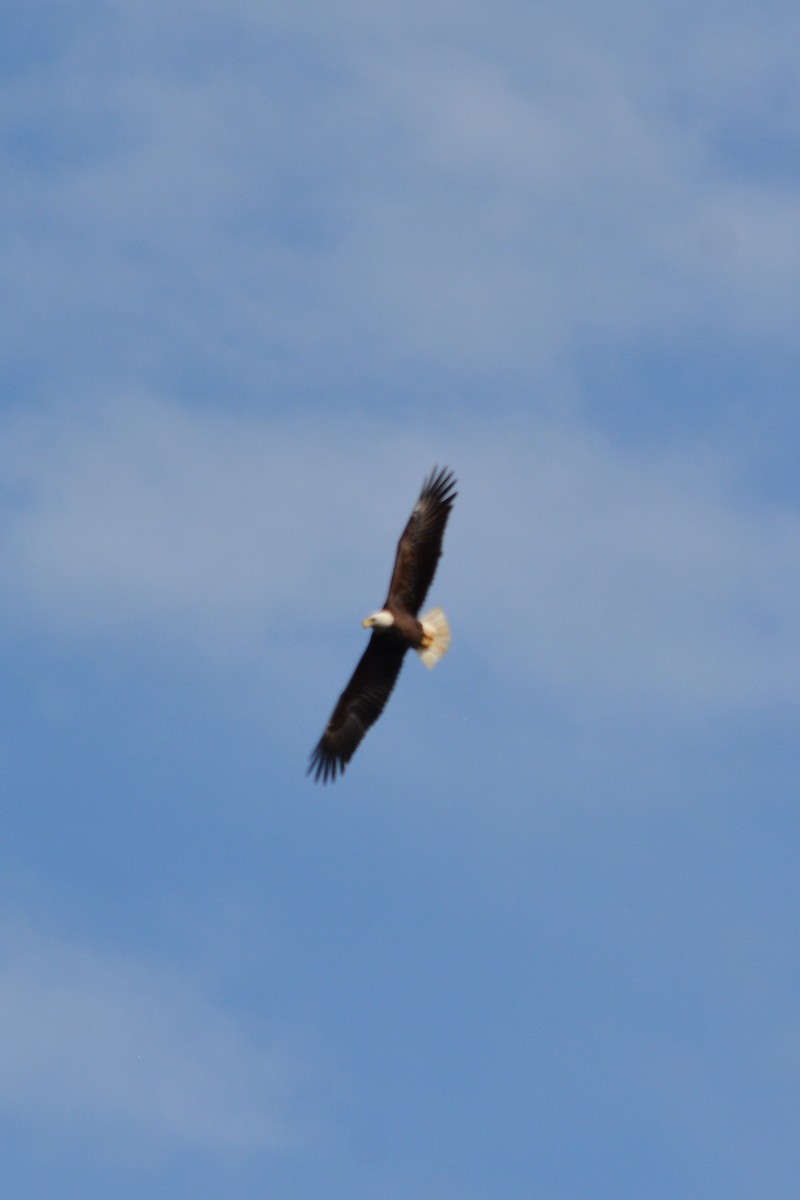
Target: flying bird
[{"x": 396, "y": 628}]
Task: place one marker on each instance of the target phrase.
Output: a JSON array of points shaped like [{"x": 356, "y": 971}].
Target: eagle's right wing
[{"x": 359, "y": 706}]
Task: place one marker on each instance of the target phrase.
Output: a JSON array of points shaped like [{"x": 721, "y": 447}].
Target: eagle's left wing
[{"x": 420, "y": 545}]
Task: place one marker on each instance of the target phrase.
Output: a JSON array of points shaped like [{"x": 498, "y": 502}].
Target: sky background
[{"x": 262, "y": 267}]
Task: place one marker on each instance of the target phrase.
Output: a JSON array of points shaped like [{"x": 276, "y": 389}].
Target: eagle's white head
[{"x": 378, "y": 620}]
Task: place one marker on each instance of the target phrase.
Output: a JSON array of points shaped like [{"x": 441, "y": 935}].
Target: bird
[{"x": 395, "y": 627}]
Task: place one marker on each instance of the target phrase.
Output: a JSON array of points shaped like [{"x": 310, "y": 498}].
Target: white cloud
[
  {"x": 143, "y": 511},
  {"x": 390, "y": 187},
  {"x": 589, "y": 568},
  {"x": 88, "y": 1037},
  {"x": 632, "y": 575}
]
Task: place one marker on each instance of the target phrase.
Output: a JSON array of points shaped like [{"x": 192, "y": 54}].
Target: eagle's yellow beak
[{"x": 367, "y": 623}]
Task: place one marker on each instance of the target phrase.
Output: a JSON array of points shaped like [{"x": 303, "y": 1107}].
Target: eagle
[{"x": 396, "y": 628}]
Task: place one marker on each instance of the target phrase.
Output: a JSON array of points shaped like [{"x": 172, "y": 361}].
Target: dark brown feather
[
  {"x": 359, "y": 706},
  {"x": 420, "y": 545},
  {"x": 371, "y": 684}
]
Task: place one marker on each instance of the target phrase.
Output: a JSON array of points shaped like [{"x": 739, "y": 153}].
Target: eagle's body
[{"x": 396, "y": 628}]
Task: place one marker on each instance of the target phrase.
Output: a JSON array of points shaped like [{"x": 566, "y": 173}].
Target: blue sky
[{"x": 263, "y": 267}]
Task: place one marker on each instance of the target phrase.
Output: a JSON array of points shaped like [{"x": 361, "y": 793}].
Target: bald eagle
[{"x": 395, "y": 629}]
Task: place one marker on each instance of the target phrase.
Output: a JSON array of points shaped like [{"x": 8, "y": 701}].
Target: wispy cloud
[
  {"x": 144, "y": 510},
  {"x": 627, "y": 573},
  {"x": 467, "y": 200},
  {"x": 636, "y": 575},
  {"x": 98, "y": 1038}
]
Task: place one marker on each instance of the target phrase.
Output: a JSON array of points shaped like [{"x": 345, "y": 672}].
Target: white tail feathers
[{"x": 437, "y": 637}]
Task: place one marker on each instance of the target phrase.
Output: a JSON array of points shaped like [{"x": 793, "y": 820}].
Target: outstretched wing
[
  {"x": 358, "y": 707},
  {"x": 420, "y": 545}
]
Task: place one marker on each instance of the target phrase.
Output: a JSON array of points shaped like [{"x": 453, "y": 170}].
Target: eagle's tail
[{"x": 437, "y": 637}]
